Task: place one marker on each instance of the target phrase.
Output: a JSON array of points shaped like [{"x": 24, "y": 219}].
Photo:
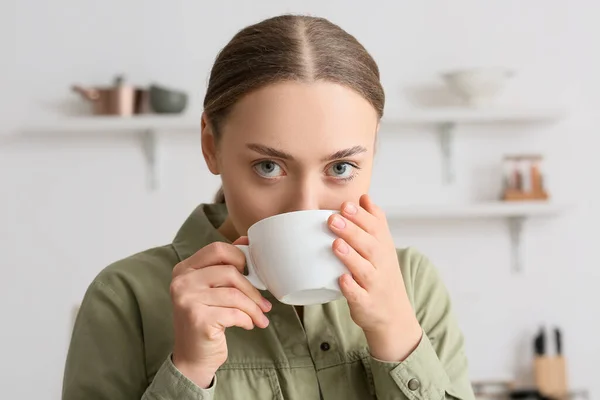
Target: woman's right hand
[{"x": 210, "y": 293}]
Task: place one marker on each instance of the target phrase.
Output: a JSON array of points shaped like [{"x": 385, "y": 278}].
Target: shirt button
[
  {"x": 325, "y": 346},
  {"x": 414, "y": 384}
]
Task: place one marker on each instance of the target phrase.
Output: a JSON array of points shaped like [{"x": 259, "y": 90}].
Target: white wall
[{"x": 69, "y": 206}]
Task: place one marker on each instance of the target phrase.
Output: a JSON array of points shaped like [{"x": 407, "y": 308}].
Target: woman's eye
[
  {"x": 268, "y": 169},
  {"x": 342, "y": 170}
]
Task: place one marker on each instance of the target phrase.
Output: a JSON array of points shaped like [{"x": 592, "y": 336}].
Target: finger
[
  {"x": 352, "y": 290},
  {"x": 213, "y": 254},
  {"x": 363, "y": 242},
  {"x": 361, "y": 217},
  {"x": 228, "y": 317},
  {"x": 222, "y": 276},
  {"x": 362, "y": 270},
  {"x": 213, "y": 277},
  {"x": 366, "y": 203},
  {"x": 228, "y": 297}
]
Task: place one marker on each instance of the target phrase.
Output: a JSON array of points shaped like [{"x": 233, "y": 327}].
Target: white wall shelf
[
  {"x": 146, "y": 127},
  {"x": 106, "y": 124},
  {"x": 446, "y": 120},
  {"x": 489, "y": 210},
  {"x": 472, "y": 116},
  {"x": 514, "y": 213}
]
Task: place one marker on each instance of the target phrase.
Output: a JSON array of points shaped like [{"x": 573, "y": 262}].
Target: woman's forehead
[{"x": 316, "y": 115}]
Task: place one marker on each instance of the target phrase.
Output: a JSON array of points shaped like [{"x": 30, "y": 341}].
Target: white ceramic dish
[{"x": 478, "y": 87}]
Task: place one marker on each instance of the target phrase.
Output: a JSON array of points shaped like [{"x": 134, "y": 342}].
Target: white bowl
[{"x": 478, "y": 86}]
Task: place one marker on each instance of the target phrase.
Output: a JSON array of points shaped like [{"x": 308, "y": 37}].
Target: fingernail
[
  {"x": 338, "y": 222},
  {"x": 350, "y": 209},
  {"x": 265, "y": 320},
  {"x": 344, "y": 279},
  {"x": 342, "y": 247},
  {"x": 267, "y": 303}
]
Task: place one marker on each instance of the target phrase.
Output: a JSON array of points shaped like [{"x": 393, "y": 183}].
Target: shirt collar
[{"x": 200, "y": 229}]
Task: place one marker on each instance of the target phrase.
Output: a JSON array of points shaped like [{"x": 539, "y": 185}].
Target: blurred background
[{"x": 491, "y": 171}]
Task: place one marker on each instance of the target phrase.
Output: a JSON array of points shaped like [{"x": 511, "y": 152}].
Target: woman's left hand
[{"x": 375, "y": 291}]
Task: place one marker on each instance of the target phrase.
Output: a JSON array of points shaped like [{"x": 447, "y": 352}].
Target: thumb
[{"x": 242, "y": 240}]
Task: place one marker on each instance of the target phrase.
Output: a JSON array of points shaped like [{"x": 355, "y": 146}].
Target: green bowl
[{"x": 167, "y": 101}]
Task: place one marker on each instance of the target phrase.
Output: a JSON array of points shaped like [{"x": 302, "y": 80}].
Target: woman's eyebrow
[
  {"x": 269, "y": 151},
  {"x": 346, "y": 153},
  {"x": 272, "y": 152}
]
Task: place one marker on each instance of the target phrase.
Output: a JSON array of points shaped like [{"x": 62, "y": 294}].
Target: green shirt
[{"x": 123, "y": 337}]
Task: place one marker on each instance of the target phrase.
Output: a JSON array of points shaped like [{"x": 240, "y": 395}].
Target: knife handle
[{"x": 558, "y": 339}]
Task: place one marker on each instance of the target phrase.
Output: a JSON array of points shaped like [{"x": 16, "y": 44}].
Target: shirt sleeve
[
  {"x": 437, "y": 369},
  {"x": 169, "y": 383},
  {"x": 106, "y": 357}
]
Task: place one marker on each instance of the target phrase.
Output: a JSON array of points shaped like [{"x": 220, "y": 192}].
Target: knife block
[{"x": 551, "y": 376}]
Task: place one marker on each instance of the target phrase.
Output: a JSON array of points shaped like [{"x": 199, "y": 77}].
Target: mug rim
[{"x": 287, "y": 213}]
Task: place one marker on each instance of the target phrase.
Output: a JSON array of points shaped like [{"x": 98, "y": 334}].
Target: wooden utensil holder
[{"x": 551, "y": 376}]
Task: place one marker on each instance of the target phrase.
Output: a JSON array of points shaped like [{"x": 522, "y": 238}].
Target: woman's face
[{"x": 293, "y": 146}]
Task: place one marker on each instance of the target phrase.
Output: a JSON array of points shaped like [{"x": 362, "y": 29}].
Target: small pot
[{"x": 119, "y": 99}]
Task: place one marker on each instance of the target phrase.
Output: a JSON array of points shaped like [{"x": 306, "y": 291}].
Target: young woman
[{"x": 290, "y": 122}]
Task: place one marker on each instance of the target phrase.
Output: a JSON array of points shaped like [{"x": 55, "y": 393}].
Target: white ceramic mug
[{"x": 291, "y": 256}]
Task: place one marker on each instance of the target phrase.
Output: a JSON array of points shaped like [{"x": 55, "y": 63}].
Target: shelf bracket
[
  {"x": 446, "y": 133},
  {"x": 515, "y": 226},
  {"x": 150, "y": 149}
]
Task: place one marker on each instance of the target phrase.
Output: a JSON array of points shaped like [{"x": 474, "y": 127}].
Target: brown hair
[{"x": 288, "y": 48}]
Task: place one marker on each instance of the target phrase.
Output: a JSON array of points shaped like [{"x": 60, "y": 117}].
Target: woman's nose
[{"x": 305, "y": 197}]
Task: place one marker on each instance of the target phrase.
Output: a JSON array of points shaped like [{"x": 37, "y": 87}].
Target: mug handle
[{"x": 252, "y": 275}]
